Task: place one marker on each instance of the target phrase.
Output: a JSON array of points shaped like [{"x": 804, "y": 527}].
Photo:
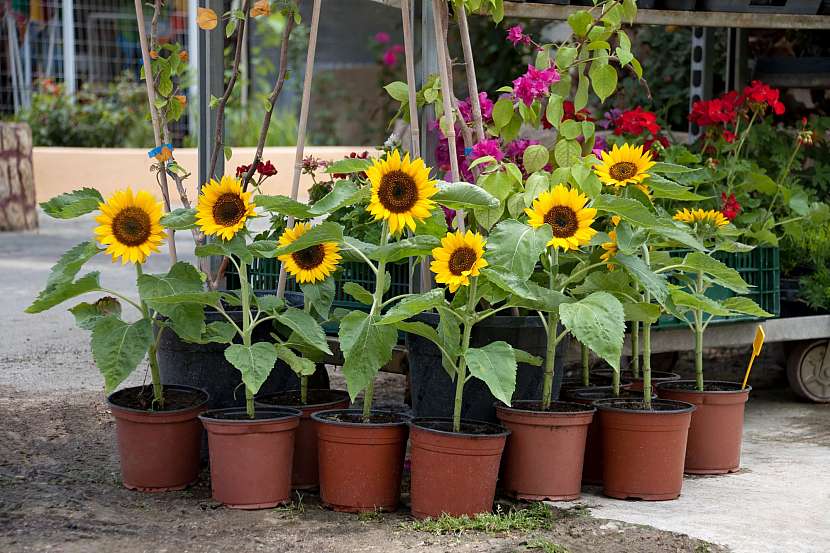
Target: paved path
[{"x": 780, "y": 502}]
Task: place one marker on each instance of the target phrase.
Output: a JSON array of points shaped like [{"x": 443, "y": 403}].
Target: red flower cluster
[
  {"x": 568, "y": 113},
  {"x": 731, "y": 208},
  {"x": 718, "y": 111},
  {"x": 636, "y": 121},
  {"x": 760, "y": 96},
  {"x": 265, "y": 169}
]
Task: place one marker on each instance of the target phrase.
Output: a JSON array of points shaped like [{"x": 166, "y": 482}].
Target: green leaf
[
  {"x": 349, "y": 165},
  {"x": 526, "y": 293},
  {"x": 648, "y": 279},
  {"x": 412, "y": 305},
  {"x": 179, "y": 219},
  {"x": 62, "y": 274},
  {"x": 88, "y": 314},
  {"x": 73, "y": 204},
  {"x": 524, "y": 357},
  {"x": 517, "y": 246},
  {"x": 343, "y": 193},
  {"x": 565, "y": 56},
  {"x": 641, "y": 312},
  {"x": 284, "y": 205},
  {"x": 581, "y": 95},
  {"x": 449, "y": 331},
  {"x": 187, "y": 319},
  {"x": 746, "y": 306},
  {"x": 664, "y": 188},
  {"x": 463, "y": 195},
  {"x": 716, "y": 270},
  {"x": 255, "y": 362},
  {"x": 118, "y": 348},
  {"x": 671, "y": 168},
  {"x": 217, "y": 332},
  {"x": 366, "y": 347},
  {"x": 320, "y": 296},
  {"x": 398, "y": 90},
  {"x": 358, "y": 292},
  {"x": 408, "y": 247},
  {"x": 580, "y": 21},
  {"x": 535, "y": 158},
  {"x": 300, "y": 365},
  {"x": 598, "y": 321},
  {"x": 630, "y": 210},
  {"x": 59, "y": 293},
  {"x": 236, "y": 246},
  {"x": 263, "y": 248},
  {"x": 570, "y": 129},
  {"x": 603, "y": 78},
  {"x": 567, "y": 152},
  {"x": 682, "y": 298},
  {"x": 305, "y": 327},
  {"x": 318, "y": 234},
  {"x": 502, "y": 112},
  {"x": 495, "y": 365},
  {"x": 269, "y": 303}
]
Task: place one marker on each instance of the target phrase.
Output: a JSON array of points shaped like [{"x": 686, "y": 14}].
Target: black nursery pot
[
  {"x": 204, "y": 366},
  {"x": 433, "y": 391}
]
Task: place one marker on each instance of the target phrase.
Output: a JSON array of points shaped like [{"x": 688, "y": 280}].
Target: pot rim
[
  {"x": 608, "y": 405},
  {"x": 206, "y": 399},
  {"x": 320, "y": 416},
  {"x": 668, "y": 386},
  {"x": 583, "y": 408},
  {"x": 278, "y": 412},
  {"x": 344, "y": 395},
  {"x": 629, "y": 374},
  {"x": 502, "y": 431}
]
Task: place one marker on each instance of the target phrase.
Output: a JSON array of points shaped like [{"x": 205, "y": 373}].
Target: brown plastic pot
[
  {"x": 159, "y": 450},
  {"x": 716, "y": 430},
  {"x": 643, "y": 450},
  {"x": 360, "y": 463},
  {"x": 544, "y": 453},
  {"x": 657, "y": 378},
  {"x": 251, "y": 459},
  {"x": 305, "y": 474},
  {"x": 454, "y": 472}
]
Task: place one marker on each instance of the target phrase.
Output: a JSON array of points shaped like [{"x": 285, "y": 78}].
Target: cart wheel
[{"x": 808, "y": 370}]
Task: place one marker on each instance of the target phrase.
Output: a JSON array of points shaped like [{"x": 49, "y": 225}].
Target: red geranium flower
[
  {"x": 731, "y": 208},
  {"x": 760, "y": 95},
  {"x": 241, "y": 170},
  {"x": 635, "y": 122},
  {"x": 266, "y": 169},
  {"x": 729, "y": 136}
]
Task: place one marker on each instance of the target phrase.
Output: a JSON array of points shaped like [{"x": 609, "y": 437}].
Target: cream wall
[{"x": 59, "y": 170}]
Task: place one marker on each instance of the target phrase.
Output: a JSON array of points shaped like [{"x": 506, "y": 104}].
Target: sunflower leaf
[
  {"x": 118, "y": 347},
  {"x": 495, "y": 365},
  {"x": 412, "y": 305},
  {"x": 255, "y": 362},
  {"x": 236, "y": 247},
  {"x": 408, "y": 247},
  {"x": 717, "y": 271},
  {"x": 187, "y": 319},
  {"x": 648, "y": 279},
  {"x": 344, "y": 193},
  {"x": 349, "y": 165},
  {"x": 598, "y": 321},
  {"x": 73, "y": 204},
  {"x": 463, "y": 195},
  {"x": 366, "y": 347},
  {"x": 59, "y": 293},
  {"x": 179, "y": 219},
  {"x": 517, "y": 247},
  {"x": 320, "y": 295},
  {"x": 358, "y": 292},
  {"x": 300, "y": 365},
  {"x": 305, "y": 328},
  {"x": 283, "y": 205},
  {"x": 319, "y": 234}
]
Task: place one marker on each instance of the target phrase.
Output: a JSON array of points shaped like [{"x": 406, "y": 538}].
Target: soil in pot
[
  {"x": 360, "y": 463},
  {"x": 643, "y": 450},
  {"x": 454, "y": 472},
  {"x": 305, "y": 474},
  {"x": 251, "y": 459},
  {"x": 159, "y": 450},
  {"x": 716, "y": 430},
  {"x": 545, "y": 450},
  {"x": 433, "y": 391},
  {"x": 592, "y": 465}
]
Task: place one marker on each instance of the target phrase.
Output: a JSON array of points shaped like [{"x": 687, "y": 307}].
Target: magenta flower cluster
[
  {"x": 534, "y": 84},
  {"x": 466, "y": 108},
  {"x": 516, "y": 35}
]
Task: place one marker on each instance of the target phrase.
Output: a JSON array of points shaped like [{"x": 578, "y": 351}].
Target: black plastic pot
[
  {"x": 204, "y": 366},
  {"x": 433, "y": 391}
]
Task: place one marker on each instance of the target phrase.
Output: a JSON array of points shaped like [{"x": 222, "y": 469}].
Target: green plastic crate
[{"x": 760, "y": 268}]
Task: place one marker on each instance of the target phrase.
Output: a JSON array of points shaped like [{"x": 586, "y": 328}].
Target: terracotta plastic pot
[
  {"x": 544, "y": 453},
  {"x": 251, "y": 459},
  {"x": 360, "y": 463},
  {"x": 454, "y": 472},
  {"x": 717, "y": 426},
  {"x": 305, "y": 474},
  {"x": 643, "y": 451},
  {"x": 159, "y": 450},
  {"x": 657, "y": 377}
]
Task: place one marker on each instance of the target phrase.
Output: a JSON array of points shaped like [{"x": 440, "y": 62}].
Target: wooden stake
[
  {"x": 472, "y": 85},
  {"x": 409, "y": 56},
  {"x": 301, "y": 130}
]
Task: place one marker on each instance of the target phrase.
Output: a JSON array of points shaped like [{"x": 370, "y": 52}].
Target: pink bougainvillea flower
[
  {"x": 534, "y": 84},
  {"x": 488, "y": 147},
  {"x": 466, "y": 108},
  {"x": 382, "y": 37},
  {"x": 516, "y": 35}
]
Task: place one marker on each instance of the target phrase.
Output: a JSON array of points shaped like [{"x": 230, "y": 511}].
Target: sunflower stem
[
  {"x": 245, "y": 293},
  {"x": 377, "y": 302},
  {"x": 552, "y": 341},
  {"x": 699, "y": 327},
  {"x": 647, "y": 391},
  {"x": 461, "y": 372},
  {"x": 635, "y": 349},
  {"x": 155, "y": 376},
  {"x": 586, "y": 364}
]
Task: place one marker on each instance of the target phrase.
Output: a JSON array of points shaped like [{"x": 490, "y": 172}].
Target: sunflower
[
  {"x": 714, "y": 218},
  {"x": 223, "y": 207},
  {"x": 401, "y": 191},
  {"x": 564, "y": 210},
  {"x": 129, "y": 226},
  {"x": 459, "y": 257},
  {"x": 310, "y": 264},
  {"x": 626, "y": 165},
  {"x": 611, "y": 249}
]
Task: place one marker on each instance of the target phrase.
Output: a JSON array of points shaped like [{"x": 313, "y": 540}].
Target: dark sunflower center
[
  {"x": 131, "y": 226},
  {"x": 228, "y": 209},
  {"x": 462, "y": 260},
  {"x": 397, "y": 192},
  {"x": 309, "y": 258},
  {"x": 562, "y": 220},
  {"x": 623, "y": 170}
]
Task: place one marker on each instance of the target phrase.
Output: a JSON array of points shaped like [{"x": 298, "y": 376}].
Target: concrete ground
[{"x": 779, "y": 502}]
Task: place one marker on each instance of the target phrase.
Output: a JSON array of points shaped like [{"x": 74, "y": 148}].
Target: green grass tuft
[
  {"x": 546, "y": 546},
  {"x": 537, "y": 516}
]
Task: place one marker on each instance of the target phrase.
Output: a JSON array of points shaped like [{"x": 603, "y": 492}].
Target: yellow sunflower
[
  {"x": 692, "y": 216},
  {"x": 129, "y": 226},
  {"x": 401, "y": 191},
  {"x": 459, "y": 257},
  {"x": 622, "y": 166},
  {"x": 223, "y": 207},
  {"x": 611, "y": 249},
  {"x": 564, "y": 210},
  {"x": 310, "y": 264}
]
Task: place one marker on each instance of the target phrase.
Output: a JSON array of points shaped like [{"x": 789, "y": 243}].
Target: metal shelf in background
[{"x": 531, "y": 10}]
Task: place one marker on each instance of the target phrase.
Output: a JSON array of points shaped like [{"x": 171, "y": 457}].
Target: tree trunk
[{"x": 18, "y": 209}]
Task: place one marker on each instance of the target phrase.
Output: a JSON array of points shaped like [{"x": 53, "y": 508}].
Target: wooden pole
[
  {"x": 154, "y": 116},
  {"x": 409, "y": 56},
  {"x": 472, "y": 85},
  {"x": 301, "y": 130},
  {"x": 440, "y": 9}
]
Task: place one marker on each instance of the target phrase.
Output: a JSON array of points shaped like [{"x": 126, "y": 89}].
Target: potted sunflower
[{"x": 158, "y": 431}]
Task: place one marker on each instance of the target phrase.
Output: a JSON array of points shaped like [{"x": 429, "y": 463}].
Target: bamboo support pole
[
  {"x": 303, "y": 123},
  {"x": 472, "y": 85},
  {"x": 409, "y": 56},
  {"x": 154, "y": 116}
]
